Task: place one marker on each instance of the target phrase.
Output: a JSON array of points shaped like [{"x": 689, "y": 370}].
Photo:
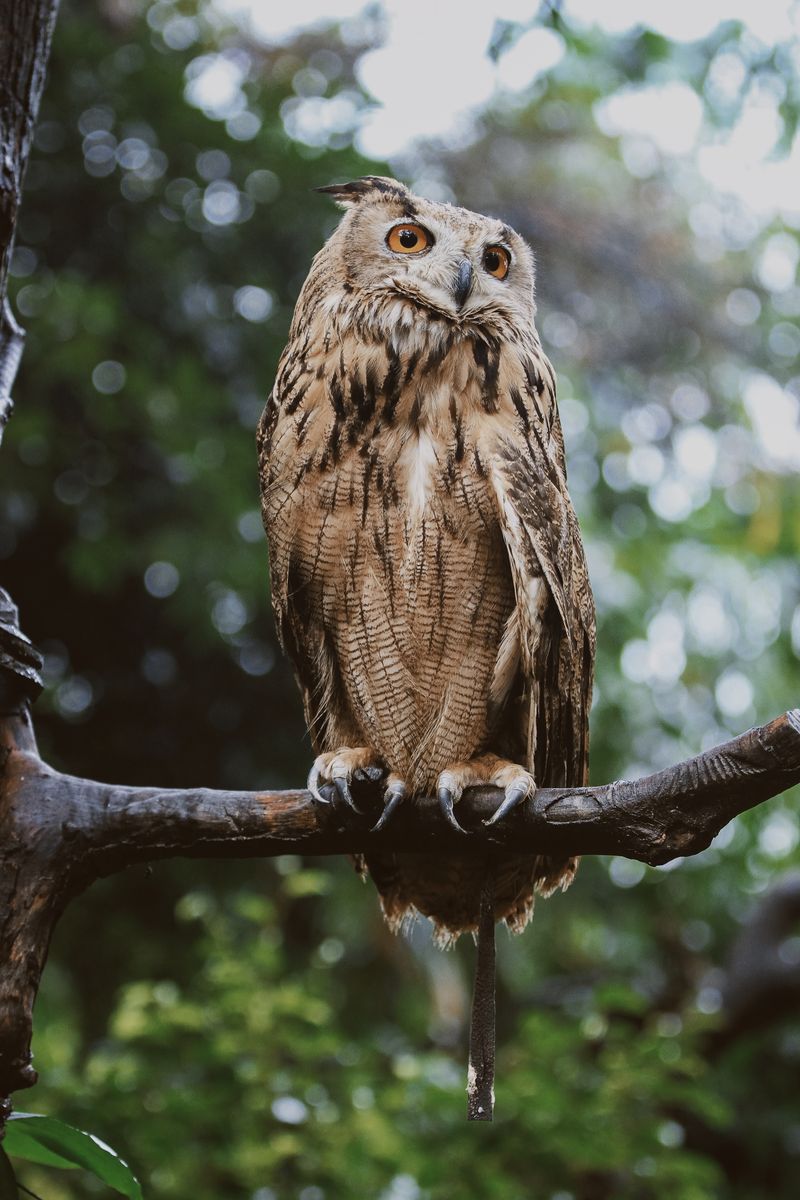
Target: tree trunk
[{"x": 26, "y": 31}]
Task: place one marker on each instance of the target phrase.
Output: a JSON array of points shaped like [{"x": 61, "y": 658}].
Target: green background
[{"x": 252, "y": 1030}]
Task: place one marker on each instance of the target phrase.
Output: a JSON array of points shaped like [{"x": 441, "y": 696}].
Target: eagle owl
[{"x": 428, "y": 575}]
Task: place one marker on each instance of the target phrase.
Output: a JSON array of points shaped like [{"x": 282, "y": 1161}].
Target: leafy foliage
[
  {"x": 252, "y": 1030},
  {"x": 45, "y": 1140},
  {"x": 320, "y": 1102}
]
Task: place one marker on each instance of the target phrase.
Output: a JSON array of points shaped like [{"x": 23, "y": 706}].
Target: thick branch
[{"x": 100, "y": 828}]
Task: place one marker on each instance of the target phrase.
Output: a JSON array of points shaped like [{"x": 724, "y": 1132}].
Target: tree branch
[{"x": 59, "y": 833}]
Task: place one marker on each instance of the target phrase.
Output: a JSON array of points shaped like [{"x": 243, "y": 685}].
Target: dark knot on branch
[{"x": 20, "y": 661}]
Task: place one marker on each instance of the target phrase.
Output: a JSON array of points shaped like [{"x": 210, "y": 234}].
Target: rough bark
[
  {"x": 59, "y": 833},
  {"x": 26, "y": 31}
]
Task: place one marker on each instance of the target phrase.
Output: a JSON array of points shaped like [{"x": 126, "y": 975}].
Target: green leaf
[
  {"x": 23, "y": 1144},
  {"x": 48, "y": 1141},
  {"x": 8, "y": 1180}
]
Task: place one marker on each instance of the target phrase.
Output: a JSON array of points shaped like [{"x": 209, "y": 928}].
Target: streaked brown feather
[{"x": 414, "y": 491}]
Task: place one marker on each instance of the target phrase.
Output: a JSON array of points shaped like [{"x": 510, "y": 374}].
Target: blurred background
[{"x": 251, "y": 1031}]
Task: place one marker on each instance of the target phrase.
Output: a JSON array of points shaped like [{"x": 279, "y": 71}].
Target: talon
[
  {"x": 313, "y": 784},
  {"x": 445, "y": 798},
  {"x": 513, "y": 797},
  {"x": 343, "y": 792},
  {"x": 394, "y": 800}
]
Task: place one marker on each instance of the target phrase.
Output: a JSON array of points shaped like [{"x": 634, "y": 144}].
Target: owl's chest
[
  {"x": 436, "y": 456},
  {"x": 388, "y": 473},
  {"x": 441, "y": 481},
  {"x": 434, "y": 539}
]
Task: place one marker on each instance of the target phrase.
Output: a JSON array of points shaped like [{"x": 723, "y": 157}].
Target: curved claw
[
  {"x": 394, "y": 799},
  {"x": 313, "y": 785},
  {"x": 513, "y": 797},
  {"x": 343, "y": 792},
  {"x": 445, "y": 798}
]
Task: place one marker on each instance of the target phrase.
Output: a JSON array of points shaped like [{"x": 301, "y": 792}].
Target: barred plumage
[{"x": 428, "y": 575}]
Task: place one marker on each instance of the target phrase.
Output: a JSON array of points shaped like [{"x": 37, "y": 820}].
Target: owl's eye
[
  {"x": 496, "y": 261},
  {"x": 409, "y": 239}
]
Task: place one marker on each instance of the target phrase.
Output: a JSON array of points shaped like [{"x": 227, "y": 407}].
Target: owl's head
[{"x": 469, "y": 269}]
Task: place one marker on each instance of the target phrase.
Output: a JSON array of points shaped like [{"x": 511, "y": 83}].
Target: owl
[{"x": 428, "y": 576}]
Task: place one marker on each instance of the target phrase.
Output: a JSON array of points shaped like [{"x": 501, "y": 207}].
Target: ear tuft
[{"x": 372, "y": 186}]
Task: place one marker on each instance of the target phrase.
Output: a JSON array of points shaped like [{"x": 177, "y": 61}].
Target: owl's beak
[{"x": 463, "y": 284}]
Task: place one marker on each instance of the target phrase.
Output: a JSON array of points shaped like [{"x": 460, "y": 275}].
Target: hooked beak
[{"x": 463, "y": 284}]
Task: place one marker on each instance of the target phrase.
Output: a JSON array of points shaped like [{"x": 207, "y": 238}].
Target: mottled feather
[{"x": 428, "y": 576}]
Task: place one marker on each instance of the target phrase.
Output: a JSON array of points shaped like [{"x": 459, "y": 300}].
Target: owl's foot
[
  {"x": 517, "y": 783},
  {"x": 340, "y": 767},
  {"x": 347, "y": 765}
]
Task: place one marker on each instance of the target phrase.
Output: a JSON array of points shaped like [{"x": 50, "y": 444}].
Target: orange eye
[
  {"x": 409, "y": 239},
  {"x": 496, "y": 261}
]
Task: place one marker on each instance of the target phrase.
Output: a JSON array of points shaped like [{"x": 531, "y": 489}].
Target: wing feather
[
  {"x": 297, "y": 544},
  {"x": 554, "y": 605}
]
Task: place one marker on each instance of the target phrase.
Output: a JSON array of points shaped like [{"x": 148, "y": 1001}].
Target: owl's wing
[
  {"x": 293, "y": 529},
  {"x": 554, "y": 606},
  {"x": 279, "y": 561}
]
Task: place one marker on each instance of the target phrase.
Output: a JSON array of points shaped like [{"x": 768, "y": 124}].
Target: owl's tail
[{"x": 480, "y": 1076}]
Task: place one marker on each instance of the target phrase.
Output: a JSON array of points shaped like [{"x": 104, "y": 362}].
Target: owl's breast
[
  {"x": 418, "y": 469},
  {"x": 439, "y": 464},
  {"x": 430, "y": 598},
  {"x": 387, "y": 544}
]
